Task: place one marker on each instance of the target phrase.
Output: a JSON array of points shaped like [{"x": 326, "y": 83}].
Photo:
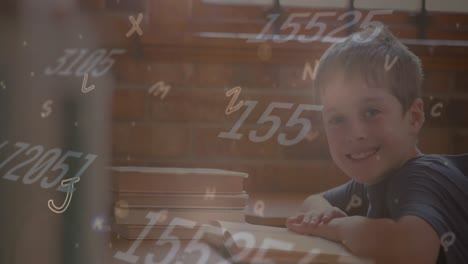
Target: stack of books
[{"x": 184, "y": 199}]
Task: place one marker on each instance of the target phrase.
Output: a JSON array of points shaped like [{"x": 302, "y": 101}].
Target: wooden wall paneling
[
  {"x": 112, "y": 28},
  {"x": 129, "y": 105},
  {"x": 411, "y": 5},
  {"x": 134, "y": 6},
  {"x": 183, "y": 128},
  {"x": 458, "y": 112},
  {"x": 96, "y": 5},
  {"x": 436, "y": 82},
  {"x": 447, "y": 6},
  {"x": 333, "y": 176},
  {"x": 460, "y": 82},
  {"x": 460, "y": 141},
  {"x": 436, "y": 140},
  {"x": 150, "y": 141},
  {"x": 448, "y": 26},
  {"x": 168, "y": 18}
]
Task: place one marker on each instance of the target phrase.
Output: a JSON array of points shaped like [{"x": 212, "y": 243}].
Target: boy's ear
[{"x": 416, "y": 115}]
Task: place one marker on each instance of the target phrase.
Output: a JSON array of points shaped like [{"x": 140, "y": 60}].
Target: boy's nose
[{"x": 356, "y": 132}]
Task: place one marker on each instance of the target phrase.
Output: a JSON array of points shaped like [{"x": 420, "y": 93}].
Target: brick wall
[{"x": 182, "y": 129}]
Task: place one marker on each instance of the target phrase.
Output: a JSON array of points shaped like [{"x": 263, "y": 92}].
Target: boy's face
[{"x": 367, "y": 132}]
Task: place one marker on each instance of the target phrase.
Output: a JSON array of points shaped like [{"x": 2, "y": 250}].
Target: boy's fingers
[
  {"x": 327, "y": 218},
  {"x": 311, "y": 219},
  {"x": 331, "y": 215},
  {"x": 306, "y": 219},
  {"x": 295, "y": 219},
  {"x": 300, "y": 217},
  {"x": 316, "y": 220},
  {"x": 299, "y": 228}
]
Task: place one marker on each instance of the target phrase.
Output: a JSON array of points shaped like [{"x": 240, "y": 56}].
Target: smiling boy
[{"x": 400, "y": 206}]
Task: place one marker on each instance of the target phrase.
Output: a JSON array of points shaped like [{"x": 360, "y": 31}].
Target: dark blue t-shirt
[{"x": 432, "y": 187}]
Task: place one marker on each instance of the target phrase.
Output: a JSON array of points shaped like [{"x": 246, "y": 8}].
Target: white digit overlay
[
  {"x": 61, "y": 61},
  {"x": 313, "y": 23},
  {"x": 107, "y": 62},
  {"x": 90, "y": 158},
  {"x": 296, "y": 27},
  {"x": 50, "y": 157},
  {"x": 166, "y": 238},
  {"x": 270, "y": 243},
  {"x": 195, "y": 245},
  {"x": 267, "y": 117},
  {"x": 61, "y": 166},
  {"x": 67, "y": 71},
  {"x": 249, "y": 243},
  {"x": 4, "y": 144},
  {"x": 376, "y": 24},
  {"x": 22, "y": 147},
  {"x": 91, "y": 61},
  {"x": 295, "y": 120},
  {"x": 233, "y": 133},
  {"x": 310, "y": 256},
  {"x": 10, "y": 176},
  {"x": 129, "y": 256},
  {"x": 260, "y": 36}
]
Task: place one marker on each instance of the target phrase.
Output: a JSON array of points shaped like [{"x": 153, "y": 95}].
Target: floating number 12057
[{"x": 275, "y": 121}]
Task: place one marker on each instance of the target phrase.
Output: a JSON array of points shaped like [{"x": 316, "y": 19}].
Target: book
[
  {"x": 156, "y": 232},
  {"x": 137, "y": 216},
  {"x": 151, "y": 200},
  {"x": 177, "y": 180},
  {"x": 272, "y": 209},
  {"x": 249, "y": 243}
]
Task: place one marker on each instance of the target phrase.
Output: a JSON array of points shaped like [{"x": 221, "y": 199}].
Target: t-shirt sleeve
[
  {"x": 419, "y": 191},
  {"x": 435, "y": 192},
  {"x": 350, "y": 197}
]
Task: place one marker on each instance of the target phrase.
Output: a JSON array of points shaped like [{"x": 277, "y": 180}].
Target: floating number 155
[{"x": 275, "y": 121}]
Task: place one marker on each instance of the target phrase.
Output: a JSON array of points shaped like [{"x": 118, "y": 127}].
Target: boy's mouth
[{"x": 362, "y": 155}]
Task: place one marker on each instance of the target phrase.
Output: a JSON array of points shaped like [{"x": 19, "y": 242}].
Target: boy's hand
[{"x": 314, "y": 218}]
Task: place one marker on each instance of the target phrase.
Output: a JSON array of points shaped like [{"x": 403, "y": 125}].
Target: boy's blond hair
[{"x": 367, "y": 60}]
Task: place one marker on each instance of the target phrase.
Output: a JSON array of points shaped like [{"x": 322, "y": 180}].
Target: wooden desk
[
  {"x": 162, "y": 251},
  {"x": 214, "y": 255},
  {"x": 276, "y": 208}
]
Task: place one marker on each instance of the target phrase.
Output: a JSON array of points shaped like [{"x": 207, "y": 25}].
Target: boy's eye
[
  {"x": 370, "y": 113},
  {"x": 336, "y": 120}
]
